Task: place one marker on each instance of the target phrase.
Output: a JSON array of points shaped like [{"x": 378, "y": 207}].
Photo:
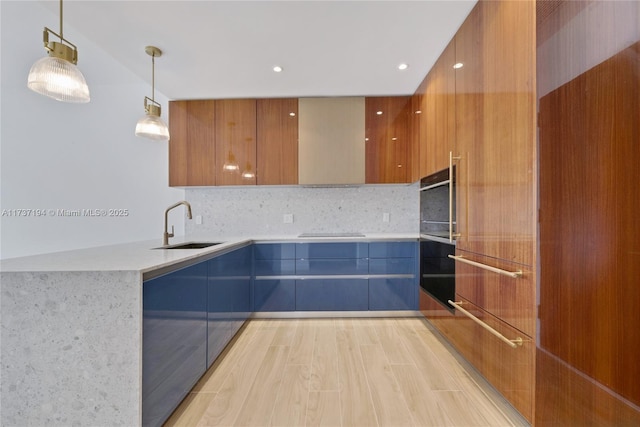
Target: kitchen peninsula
[{"x": 72, "y": 325}]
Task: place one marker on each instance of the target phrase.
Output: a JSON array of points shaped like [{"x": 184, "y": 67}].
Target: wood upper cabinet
[
  {"x": 496, "y": 131},
  {"x": 192, "y": 154},
  {"x": 235, "y": 140},
  {"x": 277, "y": 141},
  {"x": 387, "y": 139},
  {"x": 415, "y": 112},
  {"x": 437, "y": 120}
]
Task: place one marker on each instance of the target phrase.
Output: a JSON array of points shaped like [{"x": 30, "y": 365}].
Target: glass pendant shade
[
  {"x": 58, "y": 79},
  {"x": 152, "y": 127}
]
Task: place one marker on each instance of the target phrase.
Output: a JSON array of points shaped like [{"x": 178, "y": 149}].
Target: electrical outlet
[
  {"x": 199, "y": 219},
  {"x": 287, "y": 218},
  {"x": 385, "y": 217}
]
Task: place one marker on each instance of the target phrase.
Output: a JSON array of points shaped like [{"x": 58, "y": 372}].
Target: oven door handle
[{"x": 452, "y": 181}]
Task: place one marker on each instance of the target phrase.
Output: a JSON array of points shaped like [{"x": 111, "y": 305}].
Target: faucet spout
[{"x": 166, "y": 235}]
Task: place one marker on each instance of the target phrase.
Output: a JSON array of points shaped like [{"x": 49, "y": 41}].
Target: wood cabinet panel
[
  {"x": 387, "y": 139},
  {"x": 235, "y": 135},
  {"x": 415, "y": 112},
  {"x": 567, "y": 397},
  {"x": 438, "y": 123},
  {"x": 495, "y": 131},
  {"x": 589, "y": 234},
  {"x": 277, "y": 141},
  {"x": 192, "y": 154},
  {"x": 511, "y": 300},
  {"x": 510, "y": 370}
]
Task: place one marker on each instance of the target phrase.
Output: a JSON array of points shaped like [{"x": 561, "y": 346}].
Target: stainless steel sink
[{"x": 190, "y": 245}]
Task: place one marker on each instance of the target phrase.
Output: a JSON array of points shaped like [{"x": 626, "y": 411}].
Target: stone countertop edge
[{"x": 145, "y": 256}]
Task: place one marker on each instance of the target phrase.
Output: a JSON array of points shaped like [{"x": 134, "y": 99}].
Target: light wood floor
[{"x": 341, "y": 372}]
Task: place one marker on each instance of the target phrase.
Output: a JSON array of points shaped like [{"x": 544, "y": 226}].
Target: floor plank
[
  {"x": 355, "y": 394},
  {"x": 323, "y": 409},
  {"x": 324, "y": 370},
  {"x": 290, "y": 408}
]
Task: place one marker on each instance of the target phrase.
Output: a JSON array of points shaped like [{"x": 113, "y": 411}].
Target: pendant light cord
[
  {"x": 61, "y": 36},
  {"x": 153, "y": 77}
]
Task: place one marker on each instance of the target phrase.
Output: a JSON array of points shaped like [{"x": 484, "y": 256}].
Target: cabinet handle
[
  {"x": 513, "y": 274},
  {"x": 451, "y": 184},
  {"x": 511, "y": 343}
]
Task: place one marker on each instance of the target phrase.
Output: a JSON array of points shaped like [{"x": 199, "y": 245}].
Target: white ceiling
[{"x": 227, "y": 49}]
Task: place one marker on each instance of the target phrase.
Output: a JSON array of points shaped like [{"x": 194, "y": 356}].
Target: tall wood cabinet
[
  {"x": 576, "y": 63},
  {"x": 589, "y": 138},
  {"x": 484, "y": 113}
]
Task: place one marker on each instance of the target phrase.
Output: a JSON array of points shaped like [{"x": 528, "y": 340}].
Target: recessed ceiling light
[
  {"x": 418, "y": 111},
  {"x": 403, "y": 66},
  {"x": 277, "y": 69},
  {"x": 379, "y": 113},
  {"x": 458, "y": 65},
  {"x": 394, "y": 139},
  {"x": 292, "y": 114}
]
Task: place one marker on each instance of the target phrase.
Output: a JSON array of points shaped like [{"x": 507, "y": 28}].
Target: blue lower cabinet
[
  {"x": 274, "y": 295},
  {"x": 393, "y": 294},
  {"x": 174, "y": 340},
  {"x": 318, "y": 266},
  {"x": 274, "y": 251},
  {"x": 332, "y": 250},
  {"x": 274, "y": 267},
  {"x": 393, "y": 249},
  {"x": 332, "y": 294},
  {"x": 228, "y": 299}
]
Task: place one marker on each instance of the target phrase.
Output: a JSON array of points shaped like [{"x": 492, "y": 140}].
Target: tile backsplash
[{"x": 261, "y": 211}]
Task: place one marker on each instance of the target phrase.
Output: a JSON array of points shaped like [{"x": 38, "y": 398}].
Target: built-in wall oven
[{"x": 437, "y": 235}]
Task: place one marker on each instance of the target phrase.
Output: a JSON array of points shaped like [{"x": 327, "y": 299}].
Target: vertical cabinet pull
[
  {"x": 511, "y": 343},
  {"x": 451, "y": 184}
]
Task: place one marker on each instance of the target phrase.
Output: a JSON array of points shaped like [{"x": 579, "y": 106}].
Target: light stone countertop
[{"x": 142, "y": 257}]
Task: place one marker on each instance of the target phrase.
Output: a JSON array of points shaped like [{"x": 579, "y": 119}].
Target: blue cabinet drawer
[
  {"x": 393, "y": 294},
  {"x": 274, "y": 295},
  {"x": 332, "y": 250},
  {"x": 393, "y": 249},
  {"x": 275, "y": 267},
  {"x": 332, "y": 294},
  {"x": 332, "y": 266},
  {"x": 392, "y": 266},
  {"x": 275, "y": 250}
]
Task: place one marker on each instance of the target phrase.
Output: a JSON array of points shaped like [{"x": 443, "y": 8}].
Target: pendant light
[
  {"x": 57, "y": 75},
  {"x": 151, "y": 125}
]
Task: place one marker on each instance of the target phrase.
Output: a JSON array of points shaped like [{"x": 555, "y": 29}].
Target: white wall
[
  {"x": 65, "y": 156},
  {"x": 259, "y": 211}
]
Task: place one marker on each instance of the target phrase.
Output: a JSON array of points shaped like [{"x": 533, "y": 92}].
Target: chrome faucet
[{"x": 165, "y": 239}]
